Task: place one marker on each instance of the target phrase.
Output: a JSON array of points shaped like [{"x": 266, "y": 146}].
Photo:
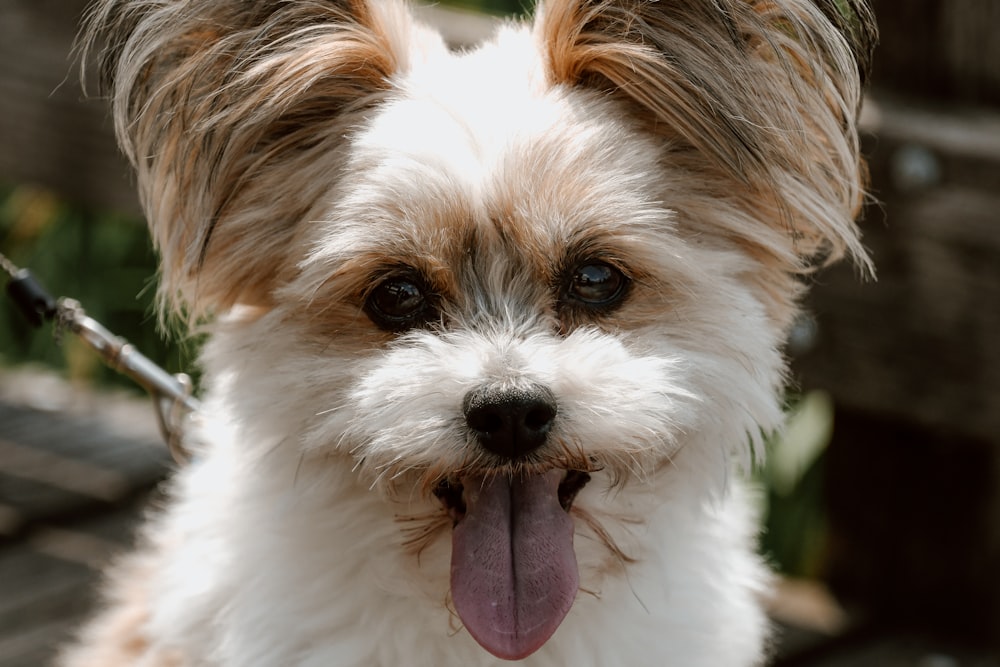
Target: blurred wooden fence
[
  {"x": 50, "y": 134},
  {"x": 913, "y": 361}
]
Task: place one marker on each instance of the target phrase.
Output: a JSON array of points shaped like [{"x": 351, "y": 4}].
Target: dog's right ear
[{"x": 233, "y": 113}]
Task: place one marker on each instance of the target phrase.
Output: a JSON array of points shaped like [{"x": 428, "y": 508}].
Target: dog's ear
[
  {"x": 765, "y": 92},
  {"x": 232, "y": 112}
]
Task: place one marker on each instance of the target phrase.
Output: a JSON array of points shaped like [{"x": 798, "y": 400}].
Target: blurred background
[{"x": 881, "y": 504}]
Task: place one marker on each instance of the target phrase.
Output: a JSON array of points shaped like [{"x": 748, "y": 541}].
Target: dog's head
[{"x": 498, "y": 283}]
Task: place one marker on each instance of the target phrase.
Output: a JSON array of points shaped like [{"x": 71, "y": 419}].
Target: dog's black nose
[{"x": 510, "y": 422}]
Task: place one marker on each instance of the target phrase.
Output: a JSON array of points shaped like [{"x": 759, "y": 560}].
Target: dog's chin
[{"x": 513, "y": 566}]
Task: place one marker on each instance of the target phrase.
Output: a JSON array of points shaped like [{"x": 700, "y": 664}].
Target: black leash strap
[{"x": 36, "y": 304}]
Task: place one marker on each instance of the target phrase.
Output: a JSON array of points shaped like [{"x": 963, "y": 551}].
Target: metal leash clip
[
  {"x": 172, "y": 399},
  {"x": 171, "y": 394}
]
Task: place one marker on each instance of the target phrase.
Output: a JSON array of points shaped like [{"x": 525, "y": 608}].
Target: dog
[{"x": 492, "y": 334}]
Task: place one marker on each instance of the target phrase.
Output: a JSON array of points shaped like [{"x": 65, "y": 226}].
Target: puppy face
[
  {"x": 495, "y": 325},
  {"x": 515, "y": 291}
]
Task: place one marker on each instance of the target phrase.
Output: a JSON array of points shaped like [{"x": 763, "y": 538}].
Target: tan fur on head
[
  {"x": 232, "y": 118},
  {"x": 767, "y": 94}
]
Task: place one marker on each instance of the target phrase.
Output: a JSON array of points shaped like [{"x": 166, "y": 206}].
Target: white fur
[
  {"x": 286, "y": 550},
  {"x": 288, "y": 540}
]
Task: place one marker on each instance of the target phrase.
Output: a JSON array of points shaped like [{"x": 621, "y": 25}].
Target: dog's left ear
[
  {"x": 761, "y": 92},
  {"x": 233, "y": 113}
]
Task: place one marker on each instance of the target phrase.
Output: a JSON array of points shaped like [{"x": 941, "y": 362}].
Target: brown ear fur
[
  {"x": 231, "y": 112},
  {"x": 765, "y": 91}
]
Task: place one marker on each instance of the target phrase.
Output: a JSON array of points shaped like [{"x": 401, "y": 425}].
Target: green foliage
[
  {"x": 497, "y": 7},
  {"x": 103, "y": 261},
  {"x": 794, "y": 536}
]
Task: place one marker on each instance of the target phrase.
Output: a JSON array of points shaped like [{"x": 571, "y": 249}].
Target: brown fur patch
[
  {"x": 234, "y": 133},
  {"x": 772, "y": 113}
]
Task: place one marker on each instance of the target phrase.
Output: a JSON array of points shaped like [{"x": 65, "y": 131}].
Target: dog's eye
[
  {"x": 597, "y": 284},
  {"x": 398, "y": 303}
]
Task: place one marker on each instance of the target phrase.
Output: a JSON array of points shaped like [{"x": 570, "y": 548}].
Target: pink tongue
[{"x": 513, "y": 568}]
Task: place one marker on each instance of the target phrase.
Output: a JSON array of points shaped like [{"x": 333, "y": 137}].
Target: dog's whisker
[
  {"x": 327, "y": 411},
  {"x": 298, "y": 468},
  {"x": 390, "y": 463},
  {"x": 359, "y": 462},
  {"x": 378, "y": 479}
]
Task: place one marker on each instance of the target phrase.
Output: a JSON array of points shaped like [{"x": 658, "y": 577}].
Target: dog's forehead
[
  {"x": 461, "y": 110},
  {"x": 480, "y": 146}
]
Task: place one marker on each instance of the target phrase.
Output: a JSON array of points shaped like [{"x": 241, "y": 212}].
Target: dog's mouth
[
  {"x": 513, "y": 568},
  {"x": 451, "y": 492}
]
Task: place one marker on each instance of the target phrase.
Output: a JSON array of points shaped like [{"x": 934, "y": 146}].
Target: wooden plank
[
  {"x": 912, "y": 362},
  {"x": 52, "y": 465},
  {"x": 889, "y": 650},
  {"x": 48, "y": 581},
  {"x": 39, "y": 591},
  {"x": 51, "y": 135},
  {"x": 55, "y": 136},
  {"x": 69, "y": 451},
  {"x": 919, "y": 344},
  {"x": 945, "y": 49},
  {"x": 912, "y": 520}
]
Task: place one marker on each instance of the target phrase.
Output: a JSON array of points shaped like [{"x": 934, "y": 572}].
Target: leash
[{"x": 172, "y": 400}]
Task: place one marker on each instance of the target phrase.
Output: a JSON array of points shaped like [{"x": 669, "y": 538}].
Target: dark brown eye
[
  {"x": 597, "y": 284},
  {"x": 398, "y": 303}
]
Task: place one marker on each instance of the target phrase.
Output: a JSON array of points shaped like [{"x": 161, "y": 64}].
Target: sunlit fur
[{"x": 292, "y": 154}]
